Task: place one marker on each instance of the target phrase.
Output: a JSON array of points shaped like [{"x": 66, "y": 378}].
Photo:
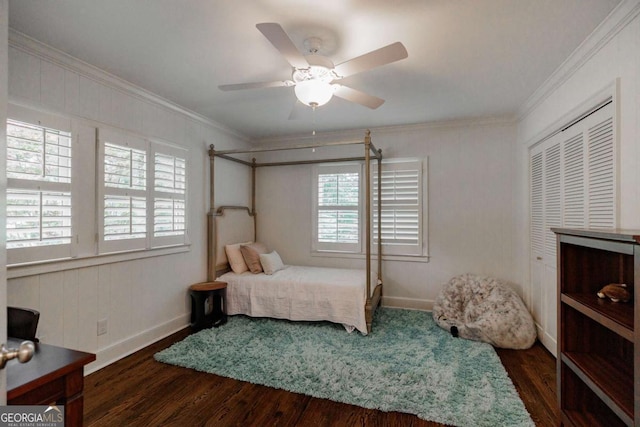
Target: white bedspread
[{"x": 300, "y": 293}]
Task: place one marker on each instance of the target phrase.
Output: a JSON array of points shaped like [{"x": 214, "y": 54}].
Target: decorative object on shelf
[{"x": 616, "y": 292}]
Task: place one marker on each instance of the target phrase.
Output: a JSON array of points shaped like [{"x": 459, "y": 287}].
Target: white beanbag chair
[{"x": 484, "y": 309}]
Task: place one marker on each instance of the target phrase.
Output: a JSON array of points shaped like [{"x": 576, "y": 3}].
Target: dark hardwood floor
[{"x": 138, "y": 391}]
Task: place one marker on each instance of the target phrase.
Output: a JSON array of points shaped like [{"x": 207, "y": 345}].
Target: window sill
[
  {"x": 50, "y": 266},
  {"x": 397, "y": 258}
]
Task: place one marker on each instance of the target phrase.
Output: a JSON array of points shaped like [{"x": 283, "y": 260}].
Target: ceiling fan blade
[
  {"x": 257, "y": 85},
  {"x": 281, "y": 41},
  {"x": 358, "y": 97},
  {"x": 385, "y": 55}
]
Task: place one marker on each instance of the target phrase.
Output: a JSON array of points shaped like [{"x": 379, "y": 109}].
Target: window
[
  {"x": 339, "y": 211},
  {"x": 70, "y": 197},
  {"x": 337, "y": 208},
  {"x": 401, "y": 213},
  {"x": 38, "y": 197},
  {"x": 122, "y": 174},
  {"x": 143, "y": 193},
  {"x": 125, "y": 180}
]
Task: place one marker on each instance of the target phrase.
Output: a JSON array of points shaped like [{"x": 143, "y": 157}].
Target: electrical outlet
[{"x": 102, "y": 327}]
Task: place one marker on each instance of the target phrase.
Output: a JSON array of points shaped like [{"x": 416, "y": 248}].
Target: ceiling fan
[{"x": 314, "y": 77}]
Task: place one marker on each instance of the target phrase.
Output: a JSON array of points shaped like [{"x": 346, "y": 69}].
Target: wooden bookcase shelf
[
  {"x": 616, "y": 316},
  {"x": 598, "y": 365},
  {"x": 605, "y": 378}
]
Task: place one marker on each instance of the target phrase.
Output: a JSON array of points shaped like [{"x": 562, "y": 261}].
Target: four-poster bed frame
[{"x": 370, "y": 152}]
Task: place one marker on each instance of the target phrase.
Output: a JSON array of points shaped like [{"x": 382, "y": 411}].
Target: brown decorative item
[{"x": 616, "y": 292}]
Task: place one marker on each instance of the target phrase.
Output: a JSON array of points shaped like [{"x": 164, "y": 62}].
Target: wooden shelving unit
[{"x": 598, "y": 346}]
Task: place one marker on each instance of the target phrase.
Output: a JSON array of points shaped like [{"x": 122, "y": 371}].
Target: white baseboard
[
  {"x": 548, "y": 341},
  {"x": 408, "y": 303},
  {"x": 124, "y": 348}
]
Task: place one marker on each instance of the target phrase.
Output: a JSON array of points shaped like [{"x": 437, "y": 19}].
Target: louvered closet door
[
  {"x": 537, "y": 232},
  {"x": 602, "y": 171},
  {"x": 573, "y": 181},
  {"x": 552, "y": 199},
  {"x": 572, "y": 184},
  {"x": 553, "y": 202},
  {"x": 537, "y": 207}
]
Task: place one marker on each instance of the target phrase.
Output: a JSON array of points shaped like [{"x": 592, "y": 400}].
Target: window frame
[
  {"x": 151, "y": 148},
  {"x": 84, "y": 249},
  {"x": 49, "y": 121},
  {"x": 337, "y": 168},
  {"x": 418, "y": 253}
]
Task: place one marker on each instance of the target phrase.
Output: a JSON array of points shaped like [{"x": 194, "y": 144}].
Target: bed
[{"x": 298, "y": 293}]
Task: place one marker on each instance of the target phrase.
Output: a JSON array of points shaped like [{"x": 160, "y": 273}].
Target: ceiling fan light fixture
[{"x": 314, "y": 93}]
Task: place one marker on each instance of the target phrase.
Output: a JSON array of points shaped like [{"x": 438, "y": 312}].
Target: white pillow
[
  {"x": 271, "y": 262},
  {"x": 235, "y": 258}
]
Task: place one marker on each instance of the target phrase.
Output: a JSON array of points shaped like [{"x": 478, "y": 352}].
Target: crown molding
[
  {"x": 45, "y": 52},
  {"x": 618, "y": 19},
  {"x": 355, "y": 134}
]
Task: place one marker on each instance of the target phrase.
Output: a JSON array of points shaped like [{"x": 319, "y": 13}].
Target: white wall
[
  {"x": 144, "y": 299},
  {"x": 610, "y": 53},
  {"x": 470, "y": 207}
]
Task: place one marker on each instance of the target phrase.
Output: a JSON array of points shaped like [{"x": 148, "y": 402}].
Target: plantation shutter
[
  {"x": 38, "y": 196},
  {"x": 401, "y": 213},
  {"x": 169, "y": 195},
  {"x": 123, "y": 191}
]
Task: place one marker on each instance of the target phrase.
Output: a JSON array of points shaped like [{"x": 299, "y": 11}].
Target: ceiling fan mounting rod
[{"x": 313, "y": 44}]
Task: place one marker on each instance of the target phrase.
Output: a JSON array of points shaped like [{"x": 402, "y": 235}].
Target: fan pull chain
[
  {"x": 313, "y": 113},
  {"x": 313, "y": 109}
]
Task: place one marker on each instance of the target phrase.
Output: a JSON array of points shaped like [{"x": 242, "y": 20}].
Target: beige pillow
[
  {"x": 235, "y": 258},
  {"x": 251, "y": 254},
  {"x": 271, "y": 262}
]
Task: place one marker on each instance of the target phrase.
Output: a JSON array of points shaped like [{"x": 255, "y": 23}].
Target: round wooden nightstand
[{"x": 200, "y": 293}]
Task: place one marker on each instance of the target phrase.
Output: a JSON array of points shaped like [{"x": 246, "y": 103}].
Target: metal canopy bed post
[{"x": 372, "y": 301}]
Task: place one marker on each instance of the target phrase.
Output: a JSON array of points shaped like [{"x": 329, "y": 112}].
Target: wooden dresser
[
  {"x": 53, "y": 375},
  {"x": 598, "y": 341}
]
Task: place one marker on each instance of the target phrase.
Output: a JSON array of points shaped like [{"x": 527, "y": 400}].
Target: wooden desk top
[
  {"x": 208, "y": 286},
  {"x": 49, "y": 362}
]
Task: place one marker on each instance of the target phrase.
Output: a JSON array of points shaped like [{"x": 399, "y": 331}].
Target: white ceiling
[{"x": 467, "y": 58}]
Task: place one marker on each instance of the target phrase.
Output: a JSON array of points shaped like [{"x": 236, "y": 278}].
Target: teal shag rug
[{"x": 407, "y": 364}]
